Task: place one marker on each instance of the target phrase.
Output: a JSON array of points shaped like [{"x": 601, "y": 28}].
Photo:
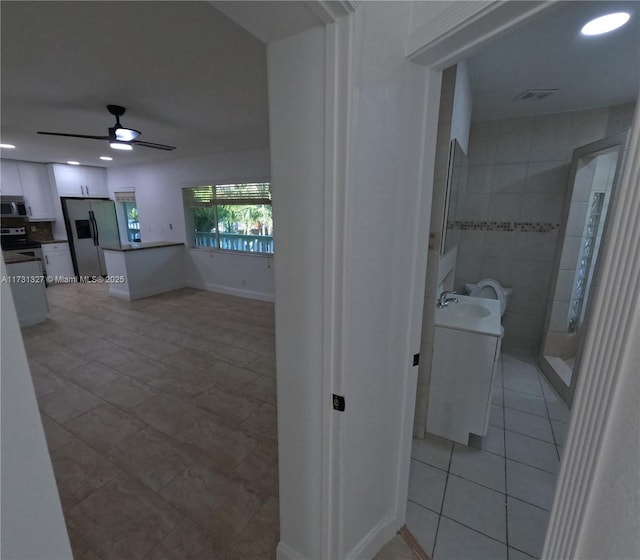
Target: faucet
[{"x": 443, "y": 300}]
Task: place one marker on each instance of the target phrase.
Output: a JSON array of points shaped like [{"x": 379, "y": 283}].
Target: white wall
[
  {"x": 161, "y": 215},
  {"x": 346, "y": 282},
  {"x": 32, "y": 523}
]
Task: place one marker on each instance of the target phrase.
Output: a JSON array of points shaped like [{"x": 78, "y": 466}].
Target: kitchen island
[
  {"x": 25, "y": 278},
  {"x": 139, "y": 270}
]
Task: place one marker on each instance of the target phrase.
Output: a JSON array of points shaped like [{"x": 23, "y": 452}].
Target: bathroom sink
[
  {"x": 468, "y": 310},
  {"x": 472, "y": 314}
]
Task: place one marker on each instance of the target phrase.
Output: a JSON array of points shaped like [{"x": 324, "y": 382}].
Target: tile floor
[
  {"x": 491, "y": 500},
  {"x": 160, "y": 417}
]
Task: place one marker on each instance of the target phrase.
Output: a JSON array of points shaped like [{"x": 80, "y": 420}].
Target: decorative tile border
[{"x": 530, "y": 227}]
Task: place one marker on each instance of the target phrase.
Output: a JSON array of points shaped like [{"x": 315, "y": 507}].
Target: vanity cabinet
[
  {"x": 36, "y": 188},
  {"x": 80, "y": 181},
  {"x": 466, "y": 353}
]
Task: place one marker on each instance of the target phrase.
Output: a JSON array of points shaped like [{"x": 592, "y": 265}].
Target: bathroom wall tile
[
  {"x": 570, "y": 251},
  {"x": 482, "y": 148},
  {"x": 433, "y": 450},
  {"x": 513, "y": 147},
  {"x": 501, "y": 244},
  {"x": 542, "y": 207},
  {"x": 481, "y": 467},
  {"x": 547, "y": 177},
  {"x": 479, "y": 180},
  {"x": 496, "y": 417},
  {"x": 588, "y": 126},
  {"x": 508, "y": 178},
  {"x": 522, "y": 125},
  {"x": 457, "y": 541},
  {"x": 564, "y": 285},
  {"x": 527, "y": 301},
  {"x": 468, "y": 269},
  {"x": 505, "y": 207},
  {"x": 558, "y": 411},
  {"x": 524, "y": 326},
  {"x": 475, "y": 506},
  {"x": 471, "y": 242},
  {"x": 528, "y": 424},
  {"x": 476, "y": 207},
  {"x": 515, "y": 554},
  {"x": 426, "y": 485},
  {"x": 559, "y": 316},
  {"x": 527, "y": 526},
  {"x": 423, "y": 524},
  {"x": 551, "y": 145},
  {"x": 552, "y": 122},
  {"x": 485, "y": 128},
  {"x": 532, "y": 452}
]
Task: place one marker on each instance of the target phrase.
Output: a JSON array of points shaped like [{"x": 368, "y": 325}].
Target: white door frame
[{"x": 453, "y": 35}]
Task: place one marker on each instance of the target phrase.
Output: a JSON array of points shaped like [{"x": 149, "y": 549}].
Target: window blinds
[
  {"x": 246, "y": 193},
  {"x": 125, "y": 196}
]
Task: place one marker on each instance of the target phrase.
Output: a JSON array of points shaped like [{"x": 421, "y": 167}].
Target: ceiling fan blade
[
  {"x": 152, "y": 145},
  {"x": 75, "y": 135}
]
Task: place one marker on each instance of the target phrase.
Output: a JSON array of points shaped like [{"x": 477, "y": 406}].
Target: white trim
[
  {"x": 285, "y": 552},
  {"x": 222, "y": 289},
  {"x": 374, "y": 540},
  {"x": 604, "y": 350},
  {"x": 329, "y": 11},
  {"x": 339, "y": 55}
]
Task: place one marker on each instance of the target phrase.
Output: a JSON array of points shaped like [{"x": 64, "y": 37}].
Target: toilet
[{"x": 491, "y": 289}]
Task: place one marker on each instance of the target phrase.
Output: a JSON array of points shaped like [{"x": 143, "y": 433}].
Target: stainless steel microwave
[{"x": 13, "y": 207}]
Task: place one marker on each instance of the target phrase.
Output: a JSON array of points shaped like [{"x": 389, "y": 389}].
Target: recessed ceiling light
[
  {"x": 106, "y": 158},
  {"x": 73, "y": 162},
  {"x": 604, "y": 24},
  {"x": 8, "y": 146}
]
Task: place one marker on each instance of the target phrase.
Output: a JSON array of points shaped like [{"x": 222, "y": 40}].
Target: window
[
  {"x": 128, "y": 212},
  {"x": 230, "y": 217}
]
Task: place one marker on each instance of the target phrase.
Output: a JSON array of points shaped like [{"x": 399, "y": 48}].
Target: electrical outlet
[
  {"x": 34, "y": 228},
  {"x": 338, "y": 403}
]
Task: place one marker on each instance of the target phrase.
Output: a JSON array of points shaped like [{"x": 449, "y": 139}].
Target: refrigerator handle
[{"x": 96, "y": 233}]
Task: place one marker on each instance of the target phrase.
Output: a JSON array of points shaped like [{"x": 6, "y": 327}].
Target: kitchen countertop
[
  {"x": 11, "y": 258},
  {"x": 139, "y": 246}
]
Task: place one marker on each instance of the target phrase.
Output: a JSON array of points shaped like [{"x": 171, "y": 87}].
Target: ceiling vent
[{"x": 534, "y": 94}]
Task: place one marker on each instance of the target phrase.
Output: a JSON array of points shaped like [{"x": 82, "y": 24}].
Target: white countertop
[{"x": 490, "y": 325}]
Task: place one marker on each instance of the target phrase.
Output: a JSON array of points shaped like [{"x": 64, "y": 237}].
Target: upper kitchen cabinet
[
  {"x": 10, "y": 178},
  {"x": 79, "y": 181},
  {"x": 36, "y": 188}
]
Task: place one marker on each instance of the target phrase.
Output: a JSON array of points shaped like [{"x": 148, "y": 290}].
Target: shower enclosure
[{"x": 590, "y": 196}]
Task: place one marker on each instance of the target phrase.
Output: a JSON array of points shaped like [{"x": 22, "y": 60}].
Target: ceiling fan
[{"x": 120, "y": 137}]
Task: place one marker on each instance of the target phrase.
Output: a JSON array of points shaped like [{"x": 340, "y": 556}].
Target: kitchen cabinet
[
  {"x": 57, "y": 262},
  {"x": 36, "y": 188},
  {"x": 10, "y": 177},
  {"x": 80, "y": 181}
]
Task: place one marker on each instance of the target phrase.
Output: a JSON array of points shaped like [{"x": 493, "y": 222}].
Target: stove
[{"x": 15, "y": 239}]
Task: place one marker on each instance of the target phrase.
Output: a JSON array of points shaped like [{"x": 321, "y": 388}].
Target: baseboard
[
  {"x": 249, "y": 294},
  {"x": 413, "y": 544},
  {"x": 375, "y": 539},
  {"x": 285, "y": 552}
]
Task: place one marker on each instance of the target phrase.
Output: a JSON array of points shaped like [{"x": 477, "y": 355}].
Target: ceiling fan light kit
[{"x": 119, "y": 137}]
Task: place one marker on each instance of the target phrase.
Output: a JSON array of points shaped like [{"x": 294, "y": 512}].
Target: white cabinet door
[
  {"x": 57, "y": 262},
  {"x": 95, "y": 182},
  {"x": 10, "y": 178},
  {"x": 69, "y": 180},
  {"x": 37, "y": 191}
]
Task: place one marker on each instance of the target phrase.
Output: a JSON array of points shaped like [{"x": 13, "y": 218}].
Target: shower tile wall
[{"x": 518, "y": 172}]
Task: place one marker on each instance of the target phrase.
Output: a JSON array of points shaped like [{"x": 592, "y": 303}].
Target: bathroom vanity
[{"x": 465, "y": 356}]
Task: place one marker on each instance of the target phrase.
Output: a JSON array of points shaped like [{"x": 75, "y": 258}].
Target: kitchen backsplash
[{"x": 36, "y": 231}]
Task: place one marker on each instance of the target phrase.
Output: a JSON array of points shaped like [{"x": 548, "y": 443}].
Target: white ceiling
[
  {"x": 188, "y": 76},
  {"x": 550, "y": 53},
  {"x": 191, "y": 77}
]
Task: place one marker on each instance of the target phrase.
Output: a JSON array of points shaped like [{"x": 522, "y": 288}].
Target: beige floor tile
[
  {"x": 61, "y": 362},
  {"x": 228, "y": 407},
  {"x": 123, "y": 520},
  {"x": 216, "y": 503},
  {"x": 168, "y": 414},
  {"x": 263, "y": 422},
  {"x": 91, "y": 375},
  {"x": 150, "y": 457},
  {"x": 67, "y": 403},
  {"x": 224, "y": 446},
  {"x": 187, "y": 542},
  {"x": 56, "y": 435},
  {"x": 79, "y": 472},
  {"x": 258, "y": 471},
  {"x": 262, "y": 389},
  {"x": 230, "y": 377},
  {"x": 44, "y": 381},
  {"x": 144, "y": 369},
  {"x": 113, "y": 356},
  {"x": 104, "y": 427},
  {"x": 260, "y": 537},
  {"x": 124, "y": 392}
]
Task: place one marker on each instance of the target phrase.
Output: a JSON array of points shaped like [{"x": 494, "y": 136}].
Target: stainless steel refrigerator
[{"x": 91, "y": 224}]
